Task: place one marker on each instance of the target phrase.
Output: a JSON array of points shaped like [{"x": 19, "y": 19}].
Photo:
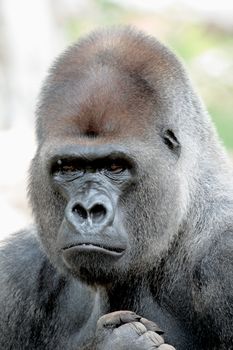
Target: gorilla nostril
[
  {"x": 80, "y": 211},
  {"x": 97, "y": 212}
]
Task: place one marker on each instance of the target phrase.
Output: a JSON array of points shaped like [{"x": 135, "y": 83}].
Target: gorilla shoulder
[
  {"x": 25, "y": 272},
  {"x": 20, "y": 259},
  {"x": 213, "y": 286},
  {"x": 32, "y": 291}
]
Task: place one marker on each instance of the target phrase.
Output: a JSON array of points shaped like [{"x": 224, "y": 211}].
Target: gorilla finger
[
  {"x": 149, "y": 340},
  {"x": 138, "y": 327},
  {"x": 166, "y": 347},
  {"x": 154, "y": 337},
  {"x": 128, "y": 317},
  {"x": 130, "y": 330},
  {"x": 116, "y": 319},
  {"x": 151, "y": 326}
]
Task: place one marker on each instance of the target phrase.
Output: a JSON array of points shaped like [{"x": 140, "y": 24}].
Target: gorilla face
[
  {"x": 92, "y": 236},
  {"x": 105, "y": 184}
]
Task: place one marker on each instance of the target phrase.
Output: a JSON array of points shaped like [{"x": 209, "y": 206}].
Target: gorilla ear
[{"x": 170, "y": 139}]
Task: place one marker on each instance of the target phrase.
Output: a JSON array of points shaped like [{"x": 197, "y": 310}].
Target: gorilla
[{"x": 132, "y": 195}]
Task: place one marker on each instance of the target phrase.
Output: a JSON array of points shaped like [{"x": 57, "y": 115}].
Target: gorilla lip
[{"x": 98, "y": 248}]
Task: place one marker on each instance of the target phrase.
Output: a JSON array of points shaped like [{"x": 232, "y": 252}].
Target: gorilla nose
[
  {"x": 97, "y": 213},
  {"x": 91, "y": 209}
]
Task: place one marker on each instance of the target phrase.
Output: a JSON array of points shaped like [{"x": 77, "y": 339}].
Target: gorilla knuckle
[
  {"x": 154, "y": 337},
  {"x": 166, "y": 347},
  {"x": 116, "y": 318},
  {"x": 137, "y": 327}
]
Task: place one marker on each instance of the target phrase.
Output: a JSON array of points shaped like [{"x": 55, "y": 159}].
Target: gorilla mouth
[{"x": 95, "y": 248}]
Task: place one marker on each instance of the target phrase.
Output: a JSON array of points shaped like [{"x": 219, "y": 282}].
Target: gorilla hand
[{"x": 124, "y": 330}]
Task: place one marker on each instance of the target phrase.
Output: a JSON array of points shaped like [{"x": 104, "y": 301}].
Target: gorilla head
[{"x": 119, "y": 131}]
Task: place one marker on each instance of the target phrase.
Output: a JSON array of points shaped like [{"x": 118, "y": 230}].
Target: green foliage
[{"x": 224, "y": 123}]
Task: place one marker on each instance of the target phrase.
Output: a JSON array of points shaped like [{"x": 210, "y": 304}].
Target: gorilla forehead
[
  {"x": 105, "y": 84},
  {"x": 103, "y": 102}
]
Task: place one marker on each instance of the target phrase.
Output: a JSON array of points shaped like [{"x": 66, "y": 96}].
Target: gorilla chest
[{"x": 176, "y": 332}]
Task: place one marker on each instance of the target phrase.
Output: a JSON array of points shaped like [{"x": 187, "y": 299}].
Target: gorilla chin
[
  {"x": 90, "y": 246},
  {"x": 93, "y": 263}
]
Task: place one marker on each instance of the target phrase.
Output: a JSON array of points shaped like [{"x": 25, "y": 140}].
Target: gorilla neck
[
  {"x": 130, "y": 293},
  {"x": 127, "y": 295}
]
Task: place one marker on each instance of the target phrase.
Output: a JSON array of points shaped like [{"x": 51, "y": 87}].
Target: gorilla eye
[
  {"x": 171, "y": 141},
  {"x": 116, "y": 168},
  {"x": 67, "y": 167}
]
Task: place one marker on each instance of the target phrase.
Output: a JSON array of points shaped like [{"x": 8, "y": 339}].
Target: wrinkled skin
[
  {"x": 132, "y": 196},
  {"x": 125, "y": 330}
]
